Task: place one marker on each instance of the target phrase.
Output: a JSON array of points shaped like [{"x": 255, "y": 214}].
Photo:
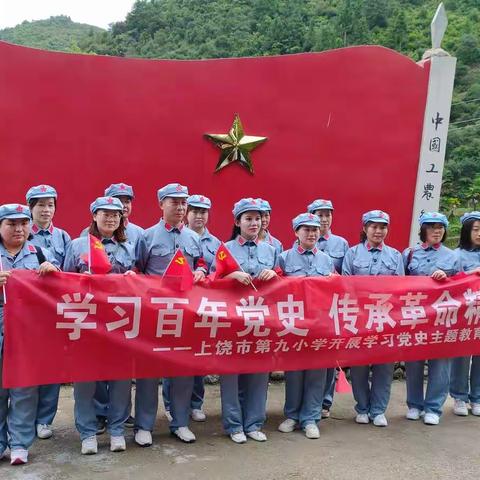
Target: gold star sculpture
[{"x": 235, "y": 146}]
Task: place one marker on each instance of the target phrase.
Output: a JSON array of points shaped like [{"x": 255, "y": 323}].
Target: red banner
[{"x": 68, "y": 327}]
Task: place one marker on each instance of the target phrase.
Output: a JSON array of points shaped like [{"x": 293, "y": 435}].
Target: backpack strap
[
  {"x": 409, "y": 259},
  {"x": 64, "y": 238},
  {"x": 410, "y": 256},
  {"x": 40, "y": 256}
]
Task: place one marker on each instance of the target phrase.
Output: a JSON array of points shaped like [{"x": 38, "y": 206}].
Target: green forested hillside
[
  {"x": 229, "y": 28},
  {"x": 56, "y": 33}
]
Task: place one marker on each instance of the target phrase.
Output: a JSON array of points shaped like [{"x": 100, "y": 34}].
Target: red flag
[
  {"x": 342, "y": 385},
  {"x": 225, "y": 262},
  {"x": 98, "y": 261},
  {"x": 347, "y": 82},
  {"x": 178, "y": 273}
]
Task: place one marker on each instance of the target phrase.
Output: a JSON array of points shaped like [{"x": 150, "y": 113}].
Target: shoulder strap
[
  {"x": 64, "y": 237},
  {"x": 40, "y": 255},
  {"x": 410, "y": 256}
]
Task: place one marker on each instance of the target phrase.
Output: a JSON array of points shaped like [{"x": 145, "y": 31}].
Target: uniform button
[
  {"x": 428, "y": 260},
  {"x": 375, "y": 260}
]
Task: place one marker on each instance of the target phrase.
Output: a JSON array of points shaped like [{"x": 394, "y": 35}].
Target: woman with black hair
[
  {"x": 372, "y": 257},
  {"x": 108, "y": 227},
  {"x": 465, "y": 374},
  {"x": 244, "y": 396},
  {"x": 430, "y": 258},
  {"x": 18, "y": 406},
  {"x": 42, "y": 201},
  {"x": 265, "y": 234},
  {"x": 304, "y": 389}
]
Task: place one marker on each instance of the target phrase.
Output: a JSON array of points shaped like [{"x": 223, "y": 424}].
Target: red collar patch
[
  {"x": 435, "y": 246},
  {"x": 36, "y": 228},
  {"x": 302, "y": 250},
  {"x": 243, "y": 241},
  {"x": 169, "y": 227}
]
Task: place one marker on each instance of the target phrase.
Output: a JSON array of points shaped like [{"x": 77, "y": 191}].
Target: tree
[
  {"x": 376, "y": 13},
  {"x": 468, "y": 51},
  {"x": 351, "y": 23},
  {"x": 397, "y": 32}
]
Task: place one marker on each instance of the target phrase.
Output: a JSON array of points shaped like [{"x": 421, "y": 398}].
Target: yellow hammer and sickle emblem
[
  {"x": 222, "y": 256},
  {"x": 180, "y": 261},
  {"x": 98, "y": 245}
]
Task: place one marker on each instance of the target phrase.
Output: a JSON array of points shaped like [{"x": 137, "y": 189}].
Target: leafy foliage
[{"x": 56, "y": 33}]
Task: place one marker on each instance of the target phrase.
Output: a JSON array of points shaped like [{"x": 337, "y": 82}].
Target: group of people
[{"x": 29, "y": 240}]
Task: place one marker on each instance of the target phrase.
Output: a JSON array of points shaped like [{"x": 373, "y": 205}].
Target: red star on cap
[
  {"x": 381, "y": 214},
  {"x": 179, "y": 188},
  {"x": 202, "y": 199},
  {"x": 43, "y": 188},
  {"x": 122, "y": 187},
  {"x": 110, "y": 200},
  {"x": 19, "y": 208},
  {"x": 253, "y": 201},
  {"x": 311, "y": 216}
]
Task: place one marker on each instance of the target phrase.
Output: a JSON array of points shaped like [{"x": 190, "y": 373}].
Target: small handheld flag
[
  {"x": 342, "y": 385},
  {"x": 178, "y": 272},
  {"x": 98, "y": 261},
  {"x": 225, "y": 263}
]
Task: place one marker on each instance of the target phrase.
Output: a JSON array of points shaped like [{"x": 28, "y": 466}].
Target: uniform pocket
[
  {"x": 322, "y": 271},
  {"x": 266, "y": 261},
  {"x": 448, "y": 268},
  {"x": 210, "y": 249},
  {"x": 467, "y": 267},
  {"x": 361, "y": 267},
  {"x": 160, "y": 251},
  {"x": 389, "y": 267},
  {"x": 193, "y": 251},
  {"x": 293, "y": 270},
  {"x": 29, "y": 264},
  {"x": 337, "y": 255}
]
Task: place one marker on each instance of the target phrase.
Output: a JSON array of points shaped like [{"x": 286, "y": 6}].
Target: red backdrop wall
[{"x": 344, "y": 124}]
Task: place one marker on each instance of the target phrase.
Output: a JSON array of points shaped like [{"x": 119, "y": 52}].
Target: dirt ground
[{"x": 403, "y": 450}]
